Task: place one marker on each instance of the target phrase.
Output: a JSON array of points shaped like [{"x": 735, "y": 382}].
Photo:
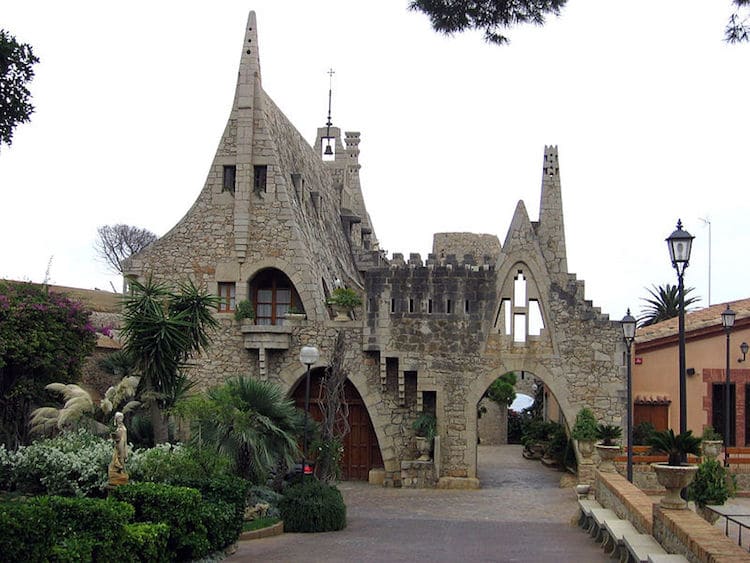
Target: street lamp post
[
  {"x": 308, "y": 355},
  {"x": 680, "y": 243},
  {"x": 628, "y": 334},
  {"x": 727, "y": 321}
]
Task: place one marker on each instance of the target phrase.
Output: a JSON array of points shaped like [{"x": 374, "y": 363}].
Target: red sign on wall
[{"x": 638, "y": 360}]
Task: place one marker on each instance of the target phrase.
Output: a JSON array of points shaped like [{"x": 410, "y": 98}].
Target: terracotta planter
[
  {"x": 607, "y": 455},
  {"x": 674, "y": 478},
  {"x": 711, "y": 448},
  {"x": 586, "y": 447}
]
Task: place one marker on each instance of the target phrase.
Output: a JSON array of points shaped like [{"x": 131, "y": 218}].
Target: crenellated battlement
[{"x": 448, "y": 262}]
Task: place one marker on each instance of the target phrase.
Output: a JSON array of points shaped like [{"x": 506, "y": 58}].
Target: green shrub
[
  {"x": 221, "y": 523},
  {"x": 71, "y": 464},
  {"x": 642, "y": 433},
  {"x": 179, "y": 507},
  {"x": 244, "y": 310},
  {"x": 167, "y": 463},
  {"x": 73, "y": 549},
  {"x": 712, "y": 484},
  {"x": 97, "y": 523},
  {"x": 147, "y": 542},
  {"x": 585, "y": 426},
  {"x": 63, "y": 529},
  {"x": 313, "y": 506},
  {"x": 26, "y": 531}
]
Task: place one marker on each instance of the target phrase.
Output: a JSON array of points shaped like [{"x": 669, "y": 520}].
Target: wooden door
[{"x": 361, "y": 450}]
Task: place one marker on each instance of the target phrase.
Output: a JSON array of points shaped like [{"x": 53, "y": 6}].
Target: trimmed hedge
[
  {"x": 26, "y": 531},
  {"x": 313, "y": 506},
  {"x": 179, "y": 507},
  {"x": 147, "y": 542},
  {"x": 63, "y": 529}
]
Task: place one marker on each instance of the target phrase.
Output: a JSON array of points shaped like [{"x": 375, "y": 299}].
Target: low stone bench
[
  {"x": 585, "y": 506},
  {"x": 667, "y": 558},
  {"x": 598, "y": 516},
  {"x": 640, "y": 546},
  {"x": 614, "y": 530}
]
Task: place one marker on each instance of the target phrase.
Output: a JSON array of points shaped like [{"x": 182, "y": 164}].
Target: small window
[
  {"x": 449, "y": 306},
  {"x": 429, "y": 306},
  {"x": 466, "y": 306},
  {"x": 260, "y": 177},
  {"x": 227, "y": 297},
  {"x": 393, "y": 305},
  {"x": 411, "y": 305},
  {"x": 230, "y": 179}
]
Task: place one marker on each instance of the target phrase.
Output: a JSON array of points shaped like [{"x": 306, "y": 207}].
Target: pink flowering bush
[{"x": 44, "y": 337}]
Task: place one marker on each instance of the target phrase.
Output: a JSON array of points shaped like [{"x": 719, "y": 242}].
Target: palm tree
[
  {"x": 162, "y": 330},
  {"x": 252, "y": 422},
  {"x": 664, "y": 304}
]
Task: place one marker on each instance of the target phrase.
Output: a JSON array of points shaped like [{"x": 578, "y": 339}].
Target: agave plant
[
  {"x": 676, "y": 447},
  {"x": 80, "y": 410}
]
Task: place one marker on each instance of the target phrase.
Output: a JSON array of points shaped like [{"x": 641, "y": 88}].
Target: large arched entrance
[{"x": 361, "y": 449}]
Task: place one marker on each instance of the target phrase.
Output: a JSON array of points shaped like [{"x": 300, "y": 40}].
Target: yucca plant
[{"x": 676, "y": 447}]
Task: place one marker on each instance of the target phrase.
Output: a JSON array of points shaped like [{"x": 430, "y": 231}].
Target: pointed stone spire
[
  {"x": 551, "y": 229},
  {"x": 246, "y": 101},
  {"x": 520, "y": 231}
]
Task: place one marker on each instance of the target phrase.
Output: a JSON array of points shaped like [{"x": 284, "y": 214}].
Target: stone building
[{"x": 282, "y": 223}]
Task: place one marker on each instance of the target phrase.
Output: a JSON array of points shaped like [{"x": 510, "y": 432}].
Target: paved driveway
[{"x": 520, "y": 514}]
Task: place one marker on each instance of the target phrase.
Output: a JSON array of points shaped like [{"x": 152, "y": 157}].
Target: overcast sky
[{"x": 647, "y": 105}]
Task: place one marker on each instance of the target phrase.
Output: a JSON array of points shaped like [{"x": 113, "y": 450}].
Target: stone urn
[
  {"x": 607, "y": 454},
  {"x": 586, "y": 447},
  {"x": 711, "y": 448},
  {"x": 424, "y": 447},
  {"x": 343, "y": 314},
  {"x": 674, "y": 478}
]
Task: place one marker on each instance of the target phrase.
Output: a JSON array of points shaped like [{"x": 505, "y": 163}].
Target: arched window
[{"x": 273, "y": 295}]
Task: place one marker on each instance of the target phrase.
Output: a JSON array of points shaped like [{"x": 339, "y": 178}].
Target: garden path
[{"x": 520, "y": 514}]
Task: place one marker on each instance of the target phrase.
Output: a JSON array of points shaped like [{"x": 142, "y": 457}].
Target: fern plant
[{"x": 608, "y": 433}]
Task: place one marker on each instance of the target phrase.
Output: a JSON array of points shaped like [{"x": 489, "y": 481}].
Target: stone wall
[{"x": 461, "y": 245}]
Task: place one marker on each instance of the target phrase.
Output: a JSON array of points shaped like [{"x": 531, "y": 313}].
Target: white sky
[{"x": 646, "y": 103}]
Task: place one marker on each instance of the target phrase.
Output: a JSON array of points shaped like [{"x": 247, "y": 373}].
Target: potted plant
[
  {"x": 711, "y": 443},
  {"x": 344, "y": 300},
  {"x": 584, "y": 432},
  {"x": 244, "y": 311},
  {"x": 712, "y": 485},
  {"x": 425, "y": 425},
  {"x": 674, "y": 475},
  {"x": 608, "y": 447}
]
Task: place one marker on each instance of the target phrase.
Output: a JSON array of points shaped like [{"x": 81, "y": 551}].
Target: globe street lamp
[
  {"x": 308, "y": 355},
  {"x": 727, "y": 321},
  {"x": 680, "y": 243},
  {"x": 628, "y": 335}
]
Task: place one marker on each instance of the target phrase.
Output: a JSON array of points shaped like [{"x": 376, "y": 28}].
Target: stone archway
[{"x": 361, "y": 447}]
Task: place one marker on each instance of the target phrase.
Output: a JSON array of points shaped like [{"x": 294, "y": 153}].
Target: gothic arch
[
  {"x": 479, "y": 386},
  {"x": 292, "y": 376}
]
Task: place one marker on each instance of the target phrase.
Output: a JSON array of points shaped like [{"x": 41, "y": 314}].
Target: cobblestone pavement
[{"x": 520, "y": 514}]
